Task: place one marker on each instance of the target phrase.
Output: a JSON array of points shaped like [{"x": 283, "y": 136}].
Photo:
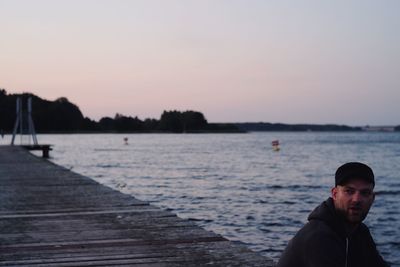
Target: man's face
[{"x": 353, "y": 200}]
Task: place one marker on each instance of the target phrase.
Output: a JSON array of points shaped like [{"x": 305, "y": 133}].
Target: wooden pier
[{"x": 50, "y": 216}]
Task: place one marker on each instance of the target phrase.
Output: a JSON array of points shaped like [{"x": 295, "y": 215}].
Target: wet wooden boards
[{"x": 50, "y": 216}]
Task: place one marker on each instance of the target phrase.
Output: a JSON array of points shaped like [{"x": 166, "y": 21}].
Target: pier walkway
[{"x": 50, "y": 216}]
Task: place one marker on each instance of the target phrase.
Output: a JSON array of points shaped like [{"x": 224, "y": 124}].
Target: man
[{"x": 335, "y": 235}]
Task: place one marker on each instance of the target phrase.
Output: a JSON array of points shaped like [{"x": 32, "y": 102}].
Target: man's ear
[{"x": 334, "y": 192}]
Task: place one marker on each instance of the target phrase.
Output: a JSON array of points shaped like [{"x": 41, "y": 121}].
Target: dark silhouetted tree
[
  {"x": 107, "y": 124},
  {"x": 178, "y": 122},
  {"x": 64, "y": 115},
  {"x": 127, "y": 124},
  {"x": 171, "y": 121},
  {"x": 193, "y": 121}
]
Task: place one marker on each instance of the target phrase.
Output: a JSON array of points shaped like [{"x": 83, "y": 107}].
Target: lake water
[{"x": 235, "y": 184}]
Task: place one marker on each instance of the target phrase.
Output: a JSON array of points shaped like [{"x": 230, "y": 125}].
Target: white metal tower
[{"x": 24, "y": 117}]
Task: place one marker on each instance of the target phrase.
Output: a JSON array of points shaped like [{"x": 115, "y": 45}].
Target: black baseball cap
[{"x": 354, "y": 170}]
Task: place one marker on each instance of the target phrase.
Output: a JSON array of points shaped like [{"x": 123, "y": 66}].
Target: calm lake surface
[{"x": 235, "y": 184}]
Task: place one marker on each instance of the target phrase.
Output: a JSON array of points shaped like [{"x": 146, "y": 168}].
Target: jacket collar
[{"x": 326, "y": 212}]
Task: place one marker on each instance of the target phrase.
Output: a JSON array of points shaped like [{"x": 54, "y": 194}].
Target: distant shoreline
[
  {"x": 212, "y": 132},
  {"x": 62, "y": 116}
]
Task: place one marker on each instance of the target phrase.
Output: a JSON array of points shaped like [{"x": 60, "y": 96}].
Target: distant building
[{"x": 378, "y": 128}]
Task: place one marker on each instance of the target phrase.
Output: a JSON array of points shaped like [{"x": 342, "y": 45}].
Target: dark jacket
[{"x": 323, "y": 242}]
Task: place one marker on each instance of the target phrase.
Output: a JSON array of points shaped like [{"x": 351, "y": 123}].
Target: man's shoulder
[
  {"x": 316, "y": 231},
  {"x": 315, "y": 243}
]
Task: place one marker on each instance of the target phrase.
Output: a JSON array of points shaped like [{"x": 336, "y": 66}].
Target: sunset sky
[{"x": 298, "y": 61}]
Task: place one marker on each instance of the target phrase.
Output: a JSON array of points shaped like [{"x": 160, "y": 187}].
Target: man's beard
[{"x": 352, "y": 218}]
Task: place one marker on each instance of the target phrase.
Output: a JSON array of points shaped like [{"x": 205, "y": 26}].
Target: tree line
[
  {"x": 265, "y": 127},
  {"x": 63, "y": 116}
]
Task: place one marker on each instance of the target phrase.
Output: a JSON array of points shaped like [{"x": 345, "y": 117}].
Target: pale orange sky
[{"x": 273, "y": 61}]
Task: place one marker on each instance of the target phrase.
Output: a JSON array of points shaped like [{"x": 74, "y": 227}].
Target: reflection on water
[{"x": 235, "y": 184}]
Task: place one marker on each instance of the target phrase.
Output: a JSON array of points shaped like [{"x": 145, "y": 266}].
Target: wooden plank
[
  {"x": 76, "y": 213},
  {"x": 217, "y": 251},
  {"x": 50, "y": 216}
]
